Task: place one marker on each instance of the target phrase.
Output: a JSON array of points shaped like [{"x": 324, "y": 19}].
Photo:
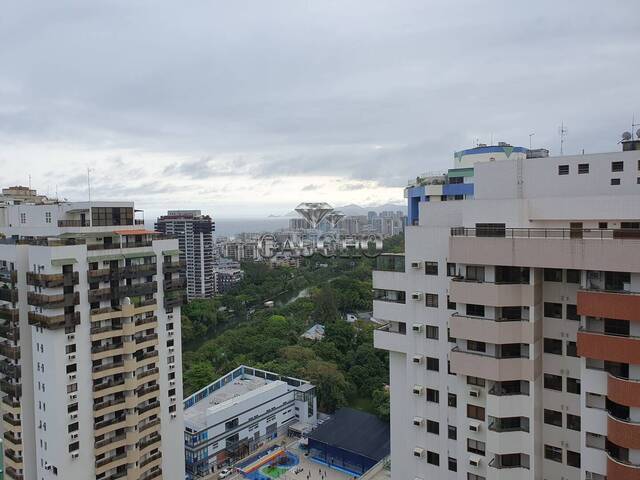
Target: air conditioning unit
[
  {"x": 474, "y": 460},
  {"x": 172, "y": 399},
  {"x": 172, "y": 382},
  {"x": 71, "y": 357},
  {"x": 72, "y": 376},
  {"x": 416, "y": 264},
  {"x": 474, "y": 426},
  {"x": 71, "y": 337},
  {"x": 416, "y": 295},
  {"x": 417, "y": 389},
  {"x": 418, "y": 452},
  {"x": 73, "y": 396},
  {"x": 75, "y": 455},
  {"x": 417, "y": 327},
  {"x": 417, "y": 359},
  {"x": 73, "y": 416},
  {"x": 474, "y": 393},
  {"x": 170, "y": 333},
  {"x": 174, "y": 415},
  {"x": 171, "y": 349},
  {"x": 172, "y": 366},
  {"x": 74, "y": 436},
  {"x": 418, "y": 421},
  {"x": 170, "y": 316}
]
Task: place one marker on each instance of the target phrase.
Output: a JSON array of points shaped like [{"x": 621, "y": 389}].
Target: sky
[{"x": 246, "y": 108}]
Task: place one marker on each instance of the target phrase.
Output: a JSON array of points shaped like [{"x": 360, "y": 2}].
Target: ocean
[{"x": 227, "y": 227}]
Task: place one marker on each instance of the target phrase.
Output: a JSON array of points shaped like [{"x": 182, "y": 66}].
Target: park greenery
[{"x": 236, "y": 328}]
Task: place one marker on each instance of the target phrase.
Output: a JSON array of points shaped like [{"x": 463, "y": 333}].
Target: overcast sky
[{"x": 244, "y": 108}]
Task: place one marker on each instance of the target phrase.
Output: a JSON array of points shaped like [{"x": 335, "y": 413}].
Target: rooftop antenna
[
  {"x": 29, "y": 181},
  {"x": 562, "y": 131},
  {"x": 89, "y": 191},
  {"x": 633, "y": 126},
  {"x": 530, "y": 135}
]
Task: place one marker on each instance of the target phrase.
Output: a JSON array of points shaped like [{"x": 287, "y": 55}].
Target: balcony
[
  {"x": 604, "y": 346},
  {"x": 623, "y": 432},
  {"x": 99, "y": 295},
  {"x": 148, "y": 407},
  {"x": 138, "y": 289},
  {"x": 8, "y": 276},
  {"x": 174, "y": 301},
  {"x": 13, "y": 389},
  {"x": 11, "y": 314},
  {"x": 489, "y": 293},
  {"x": 491, "y": 368},
  {"x": 10, "y": 369},
  {"x": 53, "y": 280},
  {"x": 73, "y": 223},
  {"x": 53, "y": 301},
  {"x": 54, "y": 322},
  {"x": 390, "y": 337},
  {"x": 10, "y": 351},
  {"x": 10, "y": 331},
  {"x": 581, "y": 249},
  {"x": 173, "y": 267},
  {"x": 11, "y": 473},
  {"x": 608, "y": 304},
  {"x": 174, "y": 285},
  {"x": 621, "y": 470},
  {"x": 9, "y": 294},
  {"x": 623, "y": 391},
  {"x": 492, "y": 331}
]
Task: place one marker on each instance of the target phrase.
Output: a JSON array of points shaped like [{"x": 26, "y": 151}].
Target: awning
[
  {"x": 105, "y": 258},
  {"x": 171, "y": 252},
  {"x": 58, "y": 262},
  {"x": 135, "y": 232},
  {"x": 139, "y": 254}
]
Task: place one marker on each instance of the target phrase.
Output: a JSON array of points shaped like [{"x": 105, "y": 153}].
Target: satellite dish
[{"x": 626, "y": 136}]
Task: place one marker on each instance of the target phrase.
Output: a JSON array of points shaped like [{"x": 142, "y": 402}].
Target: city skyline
[{"x": 331, "y": 102}]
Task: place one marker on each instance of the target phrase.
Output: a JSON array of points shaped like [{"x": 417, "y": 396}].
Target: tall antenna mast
[
  {"x": 530, "y": 135},
  {"x": 89, "y": 191},
  {"x": 633, "y": 127},
  {"x": 562, "y": 130},
  {"x": 29, "y": 181}
]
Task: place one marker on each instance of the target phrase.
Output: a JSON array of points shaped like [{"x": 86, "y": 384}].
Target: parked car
[{"x": 225, "y": 472}]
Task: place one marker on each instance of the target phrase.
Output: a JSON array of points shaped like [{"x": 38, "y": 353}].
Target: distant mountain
[{"x": 354, "y": 209}]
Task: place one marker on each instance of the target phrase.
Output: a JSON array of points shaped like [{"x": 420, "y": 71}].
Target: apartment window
[
  {"x": 47, "y": 217},
  {"x": 452, "y": 432},
  {"x": 475, "y": 446},
  {"x": 451, "y": 269},
  {"x": 572, "y": 349},
  {"x": 473, "y": 476},
  {"x": 475, "y": 273},
  {"x": 617, "y": 166},
  {"x": 573, "y": 459},
  {"x": 603, "y": 225},
  {"x": 474, "y": 411},
  {"x": 615, "y": 181},
  {"x": 583, "y": 168},
  {"x": 553, "y": 345},
  {"x": 553, "y": 275},
  {"x": 394, "y": 296},
  {"x": 573, "y": 422},
  {"x": 431, "y": 299},
  {"x": 572, "y": 312},
  {"x": 453, "y": 464},
  {"x": 553, "y": 382},
  {"x": 573, "y": 385},
  {"x": 432, "y": 332},
  {"x": 563, "y": 169},
  {"x": 477, "y": 381},
  {"x": 553, "y": 417},
  {"x": 552, "y": 310},
  {"x": 433, "y": 364},
  {"x": 638, "y": 180},
  {"x": 433, "y": 395},
  {"x": 451, "y": 305},
  {"x": 553, "y": 453},
  {"x": 433, "y": 458},
  {"x": 431, "y": 268},
  {"x": 475, "y": 310},
  {"x": 474, "y": 346},
  {"x": 452, "y": 400},
  {"x": 433, "y": 427},
  {"x": 23, "y": 218}
]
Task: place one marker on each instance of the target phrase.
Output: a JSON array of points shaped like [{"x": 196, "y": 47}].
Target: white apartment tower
[
  {"x": 513, "y": 319},
  {"x": 194, "y": 232},
  {"x": 90, "y": 355}
]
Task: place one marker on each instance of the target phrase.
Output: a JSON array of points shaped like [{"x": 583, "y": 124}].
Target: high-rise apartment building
[
  {"x": 514, "y": 319},
  {"x": 90, "y": 355},
  {"x": 194, "y": 232}
]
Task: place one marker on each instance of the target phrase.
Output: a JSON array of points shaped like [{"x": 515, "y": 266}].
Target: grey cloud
[{"x": 310, "y": 187}]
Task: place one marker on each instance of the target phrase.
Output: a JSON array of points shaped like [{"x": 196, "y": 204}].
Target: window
[
  {"x": 394, "y": 296},
  {"x": 451, "y": 305},
  {"x": 553, "y": 453},
  {"x": 573, "y": 422},
  {"x": 451, "y": 269},
  {"x": 452, "y": 432},
  {"x": 474, "y": 346},
  {"x": 615, "y": 181},
  {"x": 573, "y": 459},
  {"x": 617, "y": 166},
  {"x": 572, "y": 312},
  {"x": 430, "y": 268},
  {"x": 583, "y": 168},
  {"x": 433, "y": 427},
  {"x": 563, "y": 169},
  {"x": 572, "y": 349},
  {"x": 553, "y": 417},
  {"x": 433, "y": 395},
  {"x": 433, "y": 458},
  {"x": 431, "y": 299},
  {"x": 477, "y": 381},
  {"x": 473, "y": 476},
  {"x": 473, "y": 411},
  {"x": 475, "y": 446},
  {"x": 453, "y": 464},
  {"x": 450, "y": 339},
  {"x": 553, "y": 382},
  {"x": 433, "y": 364},
  {"x": 452, "y": 400},
  {"x": 432, "y": 332},
  {"x": 475, "y": 310},
  {"x": 552, "y": 310},
  {"x": 475, "y": 273},
  {"x": 573, "y": 385},
  {"x": 553, "y": 345},
  {"x": 23, "y": 218},
  {"x": 553, "y": 275},
  {"x": 47, "y": 217}
]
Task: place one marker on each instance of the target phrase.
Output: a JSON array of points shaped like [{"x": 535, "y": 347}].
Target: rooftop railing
[{"x": 561, "y": 233}]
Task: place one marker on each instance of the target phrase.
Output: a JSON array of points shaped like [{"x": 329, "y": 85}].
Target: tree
[
  {"x": 326, "y": 310},
  {"x": 198, "y": 376},
  {"x": 382, "y": 404}
]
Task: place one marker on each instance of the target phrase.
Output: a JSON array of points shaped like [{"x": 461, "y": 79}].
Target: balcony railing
[
  {"x": 53, "y": 301},
  {"x": 560, "y": 233},
  {"x": 9, "y": 294},
  {"x": 53, "y": 280},
  {"x": 7, "y": 313},
  {"x": 8, "y": 276},
  {"x": 175, "y": 284},
  {"x": 13, "y": 389},
  {"x": 173, "y": 267},
  {"x": 55, "y": 322},
  {"x": 10, "y": 351},
  {"x": 73, "y": 223}
]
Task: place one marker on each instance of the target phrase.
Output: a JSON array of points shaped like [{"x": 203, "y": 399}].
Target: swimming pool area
[{"x": 270, "y": 465}]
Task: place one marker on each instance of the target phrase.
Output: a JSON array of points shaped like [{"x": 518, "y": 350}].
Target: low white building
[{"x": 239, "y": 413}]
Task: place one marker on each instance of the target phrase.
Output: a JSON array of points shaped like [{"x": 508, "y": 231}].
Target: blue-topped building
[{"x": 457, "y": 182}]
